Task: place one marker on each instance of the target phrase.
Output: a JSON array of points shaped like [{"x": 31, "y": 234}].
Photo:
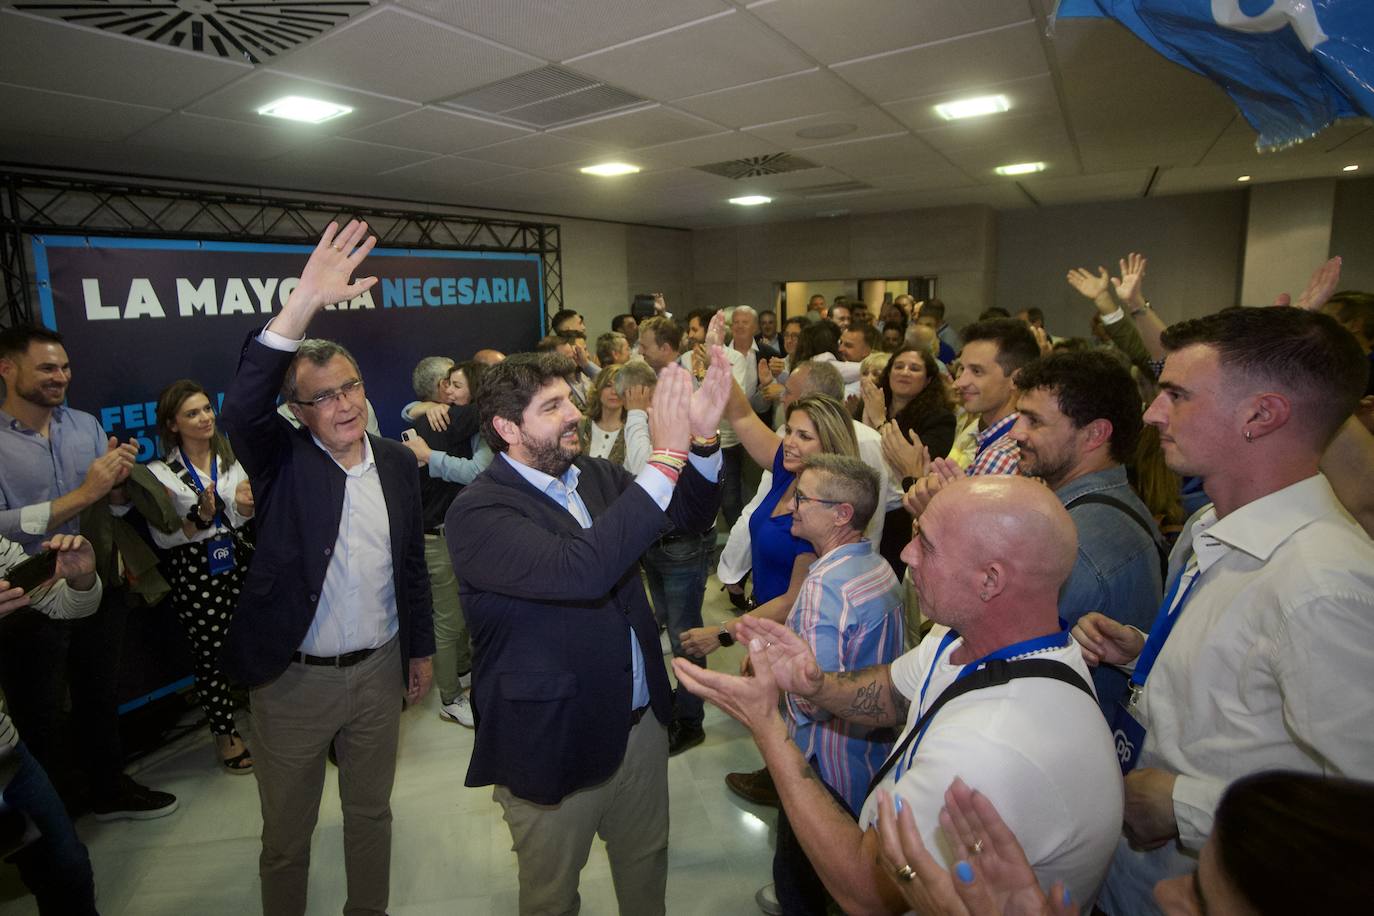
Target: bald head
[
  {"x": 991, "y": 555},
  {"x": 488, "y": 357}
]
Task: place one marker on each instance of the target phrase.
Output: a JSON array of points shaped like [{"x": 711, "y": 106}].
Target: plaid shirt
[{"x": 998, "y": 453}]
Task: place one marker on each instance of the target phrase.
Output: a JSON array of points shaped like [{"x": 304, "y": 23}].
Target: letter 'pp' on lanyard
[
  {"x": 219, "y": 550},
  {"x": 1128, "y": 732}
]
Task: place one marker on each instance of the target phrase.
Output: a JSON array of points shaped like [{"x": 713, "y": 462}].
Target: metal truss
[{"x": 41, "y": 204}]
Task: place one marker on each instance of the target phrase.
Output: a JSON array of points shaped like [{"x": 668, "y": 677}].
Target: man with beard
[
  {"x": 565, "y": 647},
  {"x": 55, "y": 463},
  {"x": 1079, "y": 421}
]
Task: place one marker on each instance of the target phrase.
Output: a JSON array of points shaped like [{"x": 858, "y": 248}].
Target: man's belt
[
  {"x": 347, "y": 660},
  {"x": 637, "y": 714}
]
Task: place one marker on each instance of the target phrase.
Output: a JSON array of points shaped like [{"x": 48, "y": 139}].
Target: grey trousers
[
  {"x": 452, "y": 649},
  {"x": 295, "y": 717},
  {"x": 629, "y": 811}
]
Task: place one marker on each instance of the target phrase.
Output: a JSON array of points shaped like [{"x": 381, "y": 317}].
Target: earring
[
  {"x": 983, "y": 596},
  {"x": 1249, "y": 438}
]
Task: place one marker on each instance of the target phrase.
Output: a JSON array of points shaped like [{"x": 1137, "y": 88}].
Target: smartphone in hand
[
  {"x": 408, "y": 434},
  {"x": 33, "y": 572}
]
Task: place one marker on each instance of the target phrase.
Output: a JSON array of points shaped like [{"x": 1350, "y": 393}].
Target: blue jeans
[
  {"x": 56, "y": 867},
  {"x": 677, "y": 570}
]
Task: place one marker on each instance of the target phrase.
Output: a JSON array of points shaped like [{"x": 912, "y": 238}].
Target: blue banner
[
  {"x": 137, "y": 314},
  {"x": 1293, "y": 67}
]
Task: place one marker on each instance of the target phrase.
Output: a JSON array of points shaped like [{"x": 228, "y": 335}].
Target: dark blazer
[
  {"x": 548, "y": 606},
  {"x": 298, "y": 491}
]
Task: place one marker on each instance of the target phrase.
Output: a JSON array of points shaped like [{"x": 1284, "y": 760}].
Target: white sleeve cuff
[
  {"x": 1114, "y": 317},
  {"x": 270, "y": 338},
  {"x": 34, "y": 519}
]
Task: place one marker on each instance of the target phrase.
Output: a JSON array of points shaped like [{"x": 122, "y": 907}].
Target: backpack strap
[{"x": 1105, "y": 500}]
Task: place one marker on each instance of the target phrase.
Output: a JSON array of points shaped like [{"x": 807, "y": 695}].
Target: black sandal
[{"x": 241, "y": 764}]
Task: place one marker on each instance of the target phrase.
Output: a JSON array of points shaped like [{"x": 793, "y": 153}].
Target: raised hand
[
  {"x": 1106, "y": 642},
  {"x": 765, "y": 373},
  {"x": 660, "y": 304},
  {"x": 670, "y": 419},
  {"x": 906, "y": 455},
  {"x": 420, "y": 448},
  {"x": 1130, "y": 286},
  {"x": 875, "y": 405},
  {"x": 638, "y": 397},
  {"x": 1089, "y": 285},
  {"x": 708, "y": 401},
  {"x": 327, "y": 276},
  {"x": 753, "y": 701},
  {"x": 75, "y": 559},
  {"x": 715, "y": 331},
  {"x": 1042, "y": 339},
  {"x": 111, "y": 468},
  {"x": 243, "y": 499},
  {"x": 1319, "y": 288}
]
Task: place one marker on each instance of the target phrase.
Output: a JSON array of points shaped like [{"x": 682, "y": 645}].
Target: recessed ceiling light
[
  {"x": 1020, "y": 168},
  {"x": 610, "y": 169},
  {"x": 1350, "y": 168},
  {"x": 827, "y": 131},
  {"x": 751, "y": 200},
  {"x": 1243, "y": 178},
  {"x": 299, "y": 108},
  {"x": 972, "y": 108}
]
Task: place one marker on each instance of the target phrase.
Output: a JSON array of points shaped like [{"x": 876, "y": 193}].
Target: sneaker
[
  {"x": 684, "y": 735},
  {"x": 756, "y": 787},
  {"x": 134, "y": 802},
  {"x": 460, "y": 711},
  {"x": 767, "y": 899}
]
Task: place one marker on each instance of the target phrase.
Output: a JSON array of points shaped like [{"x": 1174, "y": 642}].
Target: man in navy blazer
[
  {"x": 572, "y": 699},
  {"x": 334, "y": 622}
]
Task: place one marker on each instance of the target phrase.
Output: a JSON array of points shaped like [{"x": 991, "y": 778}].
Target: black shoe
[
  {"x": 134, "y": 802},
  {"x": 683, "y": 735},
  {"x": 740, "y": 600}
]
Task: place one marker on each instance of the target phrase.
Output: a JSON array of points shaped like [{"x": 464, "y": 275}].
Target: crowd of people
[{"x": 1033, "y": 624}]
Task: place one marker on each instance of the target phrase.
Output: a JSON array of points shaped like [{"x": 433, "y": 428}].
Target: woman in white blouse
[
  {"x": 616, "y": 426},
  {"x": 207, "y": 555}
]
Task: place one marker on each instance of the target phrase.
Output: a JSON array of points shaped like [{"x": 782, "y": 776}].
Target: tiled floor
[{"x": 451, "y": 849}]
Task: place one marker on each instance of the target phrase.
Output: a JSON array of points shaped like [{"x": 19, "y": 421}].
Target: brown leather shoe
[{"x": 754, "y": 787}]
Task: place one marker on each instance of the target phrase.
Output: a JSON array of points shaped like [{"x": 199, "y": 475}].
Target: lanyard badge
[
  {"x": 1128, "y": 731},
  {"x": 219, "y": 550}
]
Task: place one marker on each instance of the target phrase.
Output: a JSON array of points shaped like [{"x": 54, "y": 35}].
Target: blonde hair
[
  {"x": 603, "y": 379},
  {"x": 874, "y": 363},
  {"x": 834, "y": 427}
]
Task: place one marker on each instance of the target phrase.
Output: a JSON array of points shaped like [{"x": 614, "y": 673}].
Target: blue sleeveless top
[{"x": 772, "y": 545}]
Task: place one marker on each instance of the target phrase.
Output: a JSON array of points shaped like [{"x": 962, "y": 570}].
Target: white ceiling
[{"x": 848, "y": 85}]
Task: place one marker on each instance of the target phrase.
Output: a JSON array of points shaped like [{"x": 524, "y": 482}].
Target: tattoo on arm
[{"x": 868, "y": 704}]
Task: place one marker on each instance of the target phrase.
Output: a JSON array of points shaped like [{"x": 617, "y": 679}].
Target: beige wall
[
  {"x": 1288, "y": 233},
  {"x": 1194, "y": 244},
  {"x": 735, "y": 265}
]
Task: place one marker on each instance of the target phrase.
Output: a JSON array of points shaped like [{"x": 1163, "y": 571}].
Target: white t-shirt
[{"x": 1038, "y": 748}]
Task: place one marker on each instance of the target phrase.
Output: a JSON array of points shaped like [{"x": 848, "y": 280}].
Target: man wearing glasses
[
  {"x": 335, "y": 619},
  {"x": 849, "y": 611}
]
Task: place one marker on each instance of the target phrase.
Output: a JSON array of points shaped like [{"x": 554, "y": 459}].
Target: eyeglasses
[
  {"x": 801, "y": 497},
  {"x": 329, "y": 398}
]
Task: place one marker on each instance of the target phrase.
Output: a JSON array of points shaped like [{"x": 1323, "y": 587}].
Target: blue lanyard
[
  {"x": 195, "y": 478},
  {"x": 1169, "y": 613},
  {"x": 1024, "y": 647},
  {"x": 986, "y": 443}
]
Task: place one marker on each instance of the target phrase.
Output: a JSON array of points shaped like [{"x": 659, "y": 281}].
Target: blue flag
[{"x": 1293, "y": 67}]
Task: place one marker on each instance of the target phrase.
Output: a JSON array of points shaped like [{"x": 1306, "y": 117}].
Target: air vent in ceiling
[
  {"x": 546, "y": 97},
  {"x": 758, "y": 166},
  {"x": 837, "y": 189},
  {"x": 232, "y": 29}
]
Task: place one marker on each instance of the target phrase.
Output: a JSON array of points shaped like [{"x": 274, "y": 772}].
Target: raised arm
[{"x": 758, "y": 440}]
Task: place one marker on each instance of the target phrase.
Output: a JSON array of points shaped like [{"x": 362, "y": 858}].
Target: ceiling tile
[
  {"x": 830, "y": 127},
  {"x": 559, "y": 29},
  {"x": 1081, "y": 188},
  {"x": 991, "y": 57},
  {"x": 241, "y": 101},
  {"x": 878, "y": 158},
  {"x": 454, "y": 171},
  {"x": 644, "y": 127},
  {"x": 353, "y": 156},
  {"x": 538, "y": 151},
  {"x": 199, "y": 135},
  {"x": 31, "y": 111},
  {"x": 779, "y": 99},
  {"x": 706, "y": 150},
  {"x": 1034, "y": 95},
  {"x": 722, "y": 51},
  {"x": 833, "y": 32},
  {"x": 1050, "y": 147},
  {"x": 995, "y": 130},
  {"x": 438, "y": 131},
  {"x": 63, "y": 58},
  {"x": 391, "y": 52},
  {"x": 1237, "y": 143}
]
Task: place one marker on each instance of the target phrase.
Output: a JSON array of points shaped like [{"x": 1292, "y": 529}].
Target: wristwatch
[{"x": 724, "y": 636}]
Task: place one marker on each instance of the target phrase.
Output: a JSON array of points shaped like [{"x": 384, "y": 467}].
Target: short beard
[
  {"x": 549, "y": 457},
  {"x": 36, "y": 396}
]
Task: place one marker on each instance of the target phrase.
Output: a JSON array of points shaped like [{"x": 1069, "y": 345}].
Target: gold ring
[
  {"x": 336, "y": 247},
  {"x": 906, "y": 874},
  {"x": 977, "y": 847}
]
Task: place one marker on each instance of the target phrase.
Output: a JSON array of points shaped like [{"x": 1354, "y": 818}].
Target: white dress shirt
[{"x": 1268, "y": 667}]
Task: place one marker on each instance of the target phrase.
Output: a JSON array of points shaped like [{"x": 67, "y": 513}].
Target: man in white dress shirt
[{"x": 1263, "y": 658}]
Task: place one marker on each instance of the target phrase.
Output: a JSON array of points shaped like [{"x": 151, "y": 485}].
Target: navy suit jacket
[
  {"x": 298, "y": 493},
  {"x": 550, "y": 607}
]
